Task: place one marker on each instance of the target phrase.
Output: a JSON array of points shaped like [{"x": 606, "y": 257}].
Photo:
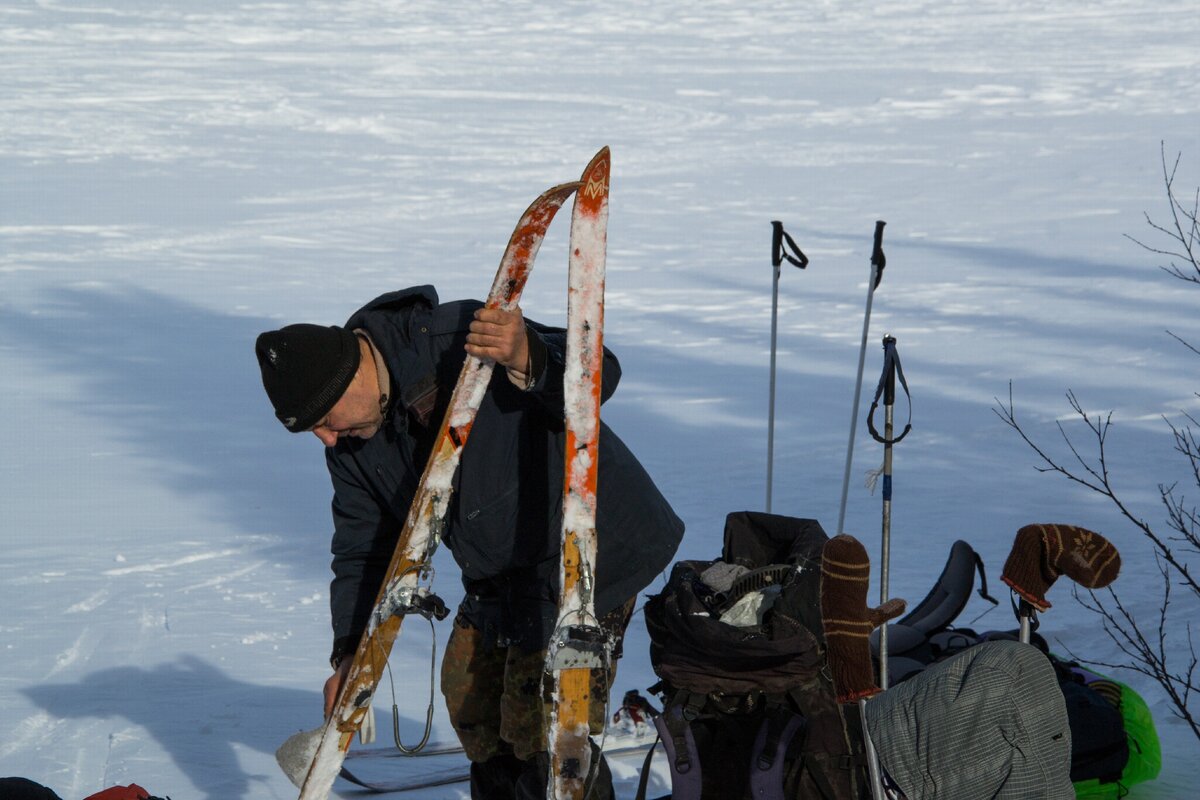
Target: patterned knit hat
[
  {"x": 848, "y": 622},
  {"x": 1040, "y": 553},
  {"x": 305, "y": 370}
]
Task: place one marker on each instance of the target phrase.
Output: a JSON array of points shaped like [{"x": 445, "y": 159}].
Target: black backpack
[
  {"x": 1099, "y": 744},
  {"x": 750, "y": 711}
]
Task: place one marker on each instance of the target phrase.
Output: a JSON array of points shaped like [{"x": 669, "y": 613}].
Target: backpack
[
  {"x": 749, "y": 709},
  {"x": 988, "y": 722},
  {"x": 925, "y": 634},
  {"x": 1102, "y": 748},
  {"x": 1099, "y": 746},
  {"x": 1113, "y": 741}
]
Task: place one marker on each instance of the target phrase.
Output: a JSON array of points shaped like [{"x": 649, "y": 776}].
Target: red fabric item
[{"x": 130, "y": 792}]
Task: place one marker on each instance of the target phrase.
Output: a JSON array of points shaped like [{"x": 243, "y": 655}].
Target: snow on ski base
[{"x": 175, "y": 178}]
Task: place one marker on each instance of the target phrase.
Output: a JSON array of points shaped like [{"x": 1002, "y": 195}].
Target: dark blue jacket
[{"x": 505, "y": 522}]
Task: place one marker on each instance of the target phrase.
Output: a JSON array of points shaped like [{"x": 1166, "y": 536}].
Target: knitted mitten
[
  {"x": 848, "y": 622},
  {"x": 1041, "y": 553}
]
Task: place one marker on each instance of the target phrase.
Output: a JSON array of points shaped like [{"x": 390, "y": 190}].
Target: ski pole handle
[
  {"x": 780, "y": 238},
  {"x": 887, "y": 389},
  {"x": 878, "y": 259},
  {"x": 889, "y": 372}
]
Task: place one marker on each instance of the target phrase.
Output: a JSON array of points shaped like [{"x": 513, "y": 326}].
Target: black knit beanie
[
  {"x": 305, "y": 370},
  {"x": 24, "y": 789}
]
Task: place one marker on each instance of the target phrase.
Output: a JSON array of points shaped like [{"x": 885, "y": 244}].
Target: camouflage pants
[{"x": 498, "y": 701}]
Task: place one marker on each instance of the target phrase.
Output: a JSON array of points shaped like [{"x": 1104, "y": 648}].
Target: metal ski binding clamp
[
  {"x": 427, "y": 604},
  {"x": 578, "y": 647}
]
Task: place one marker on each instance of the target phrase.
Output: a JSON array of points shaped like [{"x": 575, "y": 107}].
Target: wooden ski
[
  {"x": 578, "y": 645},
  {"x": 402, "y": 583}
]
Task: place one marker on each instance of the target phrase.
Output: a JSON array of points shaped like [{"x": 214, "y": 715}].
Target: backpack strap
[
  {"x": 675, "y": 728},
  {"x": 644, "y": 780},
  {"x": 806, "y": 762},
  {"x": 835, "y": 774},
  {"x": 779, "y": 728}
]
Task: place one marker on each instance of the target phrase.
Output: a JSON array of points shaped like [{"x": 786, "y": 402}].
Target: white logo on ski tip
[{"x": 596, "y": 188}]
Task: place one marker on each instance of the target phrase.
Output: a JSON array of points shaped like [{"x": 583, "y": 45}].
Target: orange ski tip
[{"x": 594, "y": 178}]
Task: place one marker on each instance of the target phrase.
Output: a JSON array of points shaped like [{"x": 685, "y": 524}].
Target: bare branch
[
  {"x": 1096, "y": 477},
  {"x": 1154, "y": 652},
  {"x": 1184, "y": 229},
  {"x": 1148, "y": 656},
  {"x": 1188, "y": 345}
]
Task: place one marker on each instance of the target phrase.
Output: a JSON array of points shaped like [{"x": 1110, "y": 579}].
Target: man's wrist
[
  {"x": 343, "y": 647},
  {"x": 535, "y": 361}
]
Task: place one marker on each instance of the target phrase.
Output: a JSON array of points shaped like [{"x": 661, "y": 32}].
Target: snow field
[{"x": 175, "y": 178}]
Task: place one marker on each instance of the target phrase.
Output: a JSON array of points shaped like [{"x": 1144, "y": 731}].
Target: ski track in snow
[
  {"x": 89, "y": 604},
  {"x": 71, "y": 655},
  {"x": 29, "y": 733},
  {"x": 192, "y": 559},
  {"x": 175, "y": 178}
]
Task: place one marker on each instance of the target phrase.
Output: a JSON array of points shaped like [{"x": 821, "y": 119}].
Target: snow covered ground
[{"x": 176, "y": 177}]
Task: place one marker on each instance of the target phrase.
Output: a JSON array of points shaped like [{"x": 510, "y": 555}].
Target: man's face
[{"x": 356, "y": 413}]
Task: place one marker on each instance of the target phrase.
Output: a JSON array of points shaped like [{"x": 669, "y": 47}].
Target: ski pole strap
[
  {"x": 1023, "y": 608},
  {"x": 891, "y": 372},
  {"x": 779, "y": 240}
]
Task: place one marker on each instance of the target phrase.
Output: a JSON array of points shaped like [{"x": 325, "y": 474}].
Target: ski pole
[
  {"x": 874, "y": 773},
  {"x": 878, "y": 260},
  {"x": 779, "y": 238},
  {"x": 1042, "y": 552},
  {"x": 887, "y": 388},
  {"x": 1026, "y": 616}
]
